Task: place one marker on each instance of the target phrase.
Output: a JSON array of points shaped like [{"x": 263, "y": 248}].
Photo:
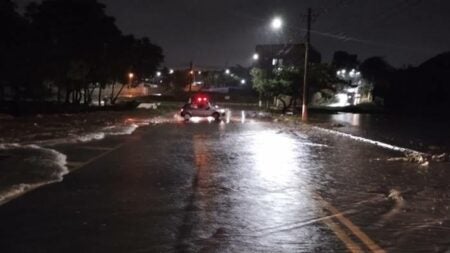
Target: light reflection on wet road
[
  {"x": 246, "y": 186},
  {"x": 249, "y": 187}
]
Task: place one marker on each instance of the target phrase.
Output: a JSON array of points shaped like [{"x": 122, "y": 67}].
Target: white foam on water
[
  {"x": 120, "y": 129},
  {"x": 40, "y": 166},
  {"x": 377, "y": 143},
  {"x": 90, "y": 137}
]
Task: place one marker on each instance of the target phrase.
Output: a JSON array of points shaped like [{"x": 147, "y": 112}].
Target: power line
[{"x": 396, "y": 10}]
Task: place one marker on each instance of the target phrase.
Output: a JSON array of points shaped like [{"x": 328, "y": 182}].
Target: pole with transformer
[{"x": 305, "y": 77}]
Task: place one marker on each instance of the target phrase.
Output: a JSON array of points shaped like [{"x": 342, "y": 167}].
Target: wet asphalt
[{"x": 249, "y": 186}]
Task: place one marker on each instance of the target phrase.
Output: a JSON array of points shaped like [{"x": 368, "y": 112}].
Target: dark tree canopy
[
  {"x": 344, "y": 60},
  {"x": 72, "y": 45}
]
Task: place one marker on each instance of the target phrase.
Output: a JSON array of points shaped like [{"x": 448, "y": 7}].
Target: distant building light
[
  {"x": 255, "y": 56},
  {"x": 171, "y": 71},
  {"x": 158, "y": 74},
  {"x": 227, "y": 71},
  {"x": 274, "y": 61},
  {"x": 243, "y": 81}
]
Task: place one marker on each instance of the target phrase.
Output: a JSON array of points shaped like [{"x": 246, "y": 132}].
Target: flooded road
[
  {"x": 426, "y": 133},
  {"x": 241, "y": 186}
]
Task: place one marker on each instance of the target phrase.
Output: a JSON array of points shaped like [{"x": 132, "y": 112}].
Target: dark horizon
[{"x": 224, "y": 33}]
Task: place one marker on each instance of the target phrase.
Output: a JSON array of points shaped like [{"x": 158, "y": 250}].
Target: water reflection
[
  {"x": 353, "y": 119},
  {"x": 251, "y": 192},
  {"x": 280, "y": 195}
]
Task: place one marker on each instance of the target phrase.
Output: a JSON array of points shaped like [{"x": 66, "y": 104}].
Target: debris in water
[
  {"x": 425, "y": 164},
  {"x": 395, "y": 195},
  {"x": 413, "y": 157},
  {"x": 337, "y": 125},
  {"x": 440, "y": 158}
]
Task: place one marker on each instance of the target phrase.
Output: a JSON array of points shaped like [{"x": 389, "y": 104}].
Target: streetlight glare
[
  {"x": 130, "y": 75},
  {"x": 256, "y": 57},
  {"x": 158, "y": 74},
  {"x": 227, "y": 71},
  {"x": 277, "y": 23},
  {"x": 171, "y": 71}
]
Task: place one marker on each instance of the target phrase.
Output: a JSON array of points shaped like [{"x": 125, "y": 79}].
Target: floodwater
[
  {"x": 424, "y": 133},
  {"x": 241, "y": 185}
]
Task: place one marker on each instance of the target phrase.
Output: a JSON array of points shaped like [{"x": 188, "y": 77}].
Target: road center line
[
  {"x": 97, "y": 148},
  {"x": 340, "y": 233},
  {"x": 79, "y": 165},
  {"x": 369, "y": 243}
]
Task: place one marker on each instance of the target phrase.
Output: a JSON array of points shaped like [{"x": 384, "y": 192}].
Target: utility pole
[
  {"x": 191, "y": 72},
  {"x": 305, "y": 77}
]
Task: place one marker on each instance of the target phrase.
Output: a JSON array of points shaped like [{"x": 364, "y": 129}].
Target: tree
[
  {"x": 344, "y": 60},
  {"x": 13, "y": 57},
  {"x": 377, "y": 71},
  {"x": 288, "y": 81},
  {"x": 72, "y": 33},
  {"x": 79, "y": 48}
]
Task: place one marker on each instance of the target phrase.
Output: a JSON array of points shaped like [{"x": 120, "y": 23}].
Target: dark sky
[{"x": 215, "y": 33}]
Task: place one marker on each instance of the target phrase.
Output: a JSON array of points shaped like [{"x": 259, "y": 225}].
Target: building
[{"x": 276, "y": 55}]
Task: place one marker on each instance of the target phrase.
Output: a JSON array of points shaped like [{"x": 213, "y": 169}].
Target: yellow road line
[
  {"x": 79, "y": 165},
  {"x": 369, "y": 243},
  {"x": 340, "y": 233},
  {"x": 97, "y": 148}
]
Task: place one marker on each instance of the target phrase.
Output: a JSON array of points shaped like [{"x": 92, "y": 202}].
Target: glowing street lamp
[
  {"x": 171, "y": 71},
  {"x": 255, "y": 56},
  {"x": 227, "y": 71},
  {"x": 243, "y": 81},
  {"x": 130, "y": 77},
  {"x": 277, "y": 23},
  {"x": 158, "y": 74}
]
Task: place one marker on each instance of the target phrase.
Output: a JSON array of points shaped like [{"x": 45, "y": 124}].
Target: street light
[
  {"x": 227, "y": 71},
  {"x": 255, "y": 56},
  {"x": 171, "y": 71},
  {"x": 130, "y": 76},
  {"x": 158, "y": 74},
  {"x": 277, "y": 23},
  {"x": 243, "y": 81}
]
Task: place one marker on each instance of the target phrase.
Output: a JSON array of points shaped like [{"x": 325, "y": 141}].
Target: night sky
[{"x": 219, "y": 33}]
